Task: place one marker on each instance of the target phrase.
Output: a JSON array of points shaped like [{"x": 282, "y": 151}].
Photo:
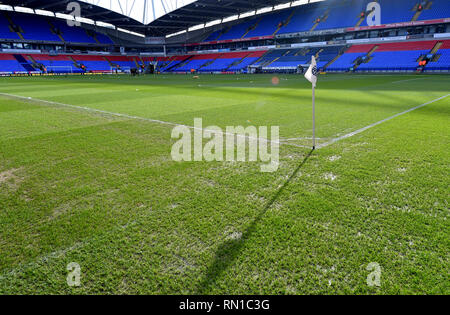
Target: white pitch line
[
  {"x": 41, "y": 260},
  {"x": 149, "y": 120},
  {"x": 332, "y": 141},
  {"x": 351, "y": 134},
  {"x": 302, "y": 138},
  {"x": 407, "y": 80},
  {"x": 61, "y": 252}
]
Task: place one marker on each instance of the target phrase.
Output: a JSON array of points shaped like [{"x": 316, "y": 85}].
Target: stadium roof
[
  {"x": 158, "y": 17},
  {"x": 204, "y": 11},
  {"x": 88, "y": 10},
  {"x": 144, "y": 11}
]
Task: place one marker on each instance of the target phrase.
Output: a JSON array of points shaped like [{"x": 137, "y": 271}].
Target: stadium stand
[
  {"x": 402, "y": 56},
  {"x": 442, "y": 63},
  {"x": 370, "y": 57},
  {"x": 329, "y": 15},
  {"x": 239, "y": 30},
  {"x": 24, "y": 63},
  {"x": 345, "y": 62},
  {"x": 34, "y": 27},
  {"x": 441, "y": 59},
  {"x": 10, "y": 64},
  {"x": 234, "y": 61},
  {"x": 438, "y": 9},
  {"x": 5, "y": 29},
  {"x": 103, "y": 39},
  {"x": 192, "y": 64},
  {"x": 43, "y": 28},
  {"x": 72, "y": 34},
  {"x": 392, "y": 60},
  {"x": 292, "y": 58},
  {"x": 93, "y": 63},
  {"x": 56, "y": 64},
  {"x": 268, "y": 24},
  {"x": 165, "y": 64},
  {"x": 123, "y": 62},
  {"x": 399, "y": 55}
]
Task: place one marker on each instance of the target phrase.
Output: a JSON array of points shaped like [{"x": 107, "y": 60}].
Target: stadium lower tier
[
  {"x": 43, "y": 63},
  {"x": 404, "y": 56},
  {"x": 225, "y": 62}
]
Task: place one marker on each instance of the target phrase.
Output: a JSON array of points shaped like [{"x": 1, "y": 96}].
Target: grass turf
[{"x": 102, "y": 190}]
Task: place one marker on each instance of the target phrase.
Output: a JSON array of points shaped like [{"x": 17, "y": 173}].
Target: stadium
[{"x": 165, "y": 147}]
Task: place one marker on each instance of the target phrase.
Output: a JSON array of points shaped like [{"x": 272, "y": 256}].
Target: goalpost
[
  {"x": 59, "y": 69},
  {"x": 121, "y": 70}
]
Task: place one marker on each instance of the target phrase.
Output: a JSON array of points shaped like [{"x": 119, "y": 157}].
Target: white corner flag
[{"x": 311, "y": 76}]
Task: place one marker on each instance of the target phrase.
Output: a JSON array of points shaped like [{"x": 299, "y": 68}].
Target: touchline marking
[
  {"x": 351, "y": 134},
  {"x": 407, "y": 80},
  {"x": 63, "y": 252},
  {"x": 150, "y": 120},
  {"x": 41, "y": 260},
  {"x": 320, "y": 146}
]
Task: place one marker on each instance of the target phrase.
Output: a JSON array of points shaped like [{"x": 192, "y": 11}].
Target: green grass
[{"x": 102, "y": 190}]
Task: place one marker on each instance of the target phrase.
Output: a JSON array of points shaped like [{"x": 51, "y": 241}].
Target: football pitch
[{"x": 86, "y": 177}]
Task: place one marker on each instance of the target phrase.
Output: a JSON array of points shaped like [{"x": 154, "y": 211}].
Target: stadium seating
[
  {"x": 219, "y": 65},
  {"x": 302, "y": 20},
  {"x": 34, "y": 27},
  {"x": 239, "y": 30},
  {"x": 393, "y": 61},
  {"x": 191, "y": 65},
  {"x": 24, "y": 63},
  {"x": 396, "y": 11},
  {"x": 72, "y": 34},
  {"x": 330, "y": 15},
  {"x": 222, "y": 62},
  {"x": 268, "y": 24},
  {"x": 232, "y": 61},
  {"x": 443, "y": 59},
  {"x": 166, "y": 64},
  {"x": 396, "y": 56},
  {"x": 5, "y": 32},
  {"x": 55, "y": 64},
  {"x": 402, "y": 56},
  {"x": 437, "y": 10},
  {"x": 213, "y": 36},
  {"x": 10, "y": 64},
  {"x": 125, "y": 63},
  {"x": 242, "y": 66},
  {"x": 93, "y": 63},
  {"x": 345, "y": 62},
  {"x": 292, "y": 58},
  {"x": 43, "y": 28},
  {"x": 442, "y": 64},
  {"x": 103, "y": 39}
]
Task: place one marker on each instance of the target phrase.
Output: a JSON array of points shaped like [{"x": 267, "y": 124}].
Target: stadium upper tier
[
  {"x": 15, "y": 25},
  {"x": 331, "y": 15}
]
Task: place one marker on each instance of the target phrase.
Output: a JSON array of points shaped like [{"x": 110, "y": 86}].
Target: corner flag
[{"x": 311, "y": 76}]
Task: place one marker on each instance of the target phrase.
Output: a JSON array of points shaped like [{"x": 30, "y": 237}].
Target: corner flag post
[
  {"x": 314, "y": 115},
  {"x": 311, "y": 76}
]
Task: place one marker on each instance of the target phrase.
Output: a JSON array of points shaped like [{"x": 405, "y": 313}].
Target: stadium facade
[{"x": 207, "y": 36}]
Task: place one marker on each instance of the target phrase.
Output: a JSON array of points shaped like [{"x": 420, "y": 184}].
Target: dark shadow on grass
[{"x": 227, "y": 252}]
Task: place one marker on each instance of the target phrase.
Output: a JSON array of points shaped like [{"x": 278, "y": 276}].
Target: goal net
[
  {"x": 121, "y": 70},
  {"x": 59, "y": 69}
]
